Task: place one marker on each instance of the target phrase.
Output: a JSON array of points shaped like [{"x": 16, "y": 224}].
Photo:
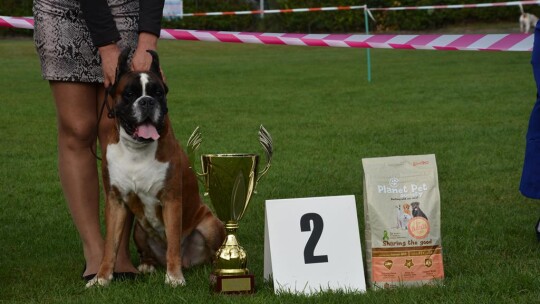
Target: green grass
[{"x": 470, "y": 109}]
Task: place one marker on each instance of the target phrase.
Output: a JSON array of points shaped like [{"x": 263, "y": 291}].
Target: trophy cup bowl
[{"x": 230, "y": 181}]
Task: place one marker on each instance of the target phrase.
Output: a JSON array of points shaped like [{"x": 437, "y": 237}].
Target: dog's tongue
[{"x": 147, "y": 131}]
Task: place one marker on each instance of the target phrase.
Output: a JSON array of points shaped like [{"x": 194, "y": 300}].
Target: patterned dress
[{"x": 64, "y": 43}]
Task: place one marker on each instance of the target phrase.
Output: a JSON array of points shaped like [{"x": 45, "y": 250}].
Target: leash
[{"x": 110, "y": 114}]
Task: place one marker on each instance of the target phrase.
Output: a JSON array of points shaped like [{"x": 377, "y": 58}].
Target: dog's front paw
[
  {"x": 98, "y": 281},
  {"x": 175, "y": 281},
  {"x": 146, "y": 268}
]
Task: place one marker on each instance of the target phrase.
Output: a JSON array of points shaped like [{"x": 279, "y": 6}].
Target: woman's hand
[
  {"x": 141, "y": 58},
  {"x": 109, "y": 61}
]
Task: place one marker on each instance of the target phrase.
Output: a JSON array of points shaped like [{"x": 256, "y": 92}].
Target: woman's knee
[
  {"x": 76, "y": 113},
  {"x": 77, "y": 134}
]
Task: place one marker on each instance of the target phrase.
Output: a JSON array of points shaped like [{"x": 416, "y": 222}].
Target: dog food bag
[{"x": 403, "y": 227}]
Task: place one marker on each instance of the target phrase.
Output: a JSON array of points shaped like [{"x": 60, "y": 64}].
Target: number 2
[{"x": 318, "y": 224}]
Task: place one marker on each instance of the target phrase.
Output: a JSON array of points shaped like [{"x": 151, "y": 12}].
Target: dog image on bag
[
  {"x": 402, "y": 217},
  {"x": 416, "y": 211},
  {"x": 407, "y": 209},
  {"x": 146, "y": 171}
]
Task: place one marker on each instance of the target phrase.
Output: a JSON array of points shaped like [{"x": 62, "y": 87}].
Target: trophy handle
[
  {"x": 193, "y": 144},
  {"x": 266, "y": 141}
]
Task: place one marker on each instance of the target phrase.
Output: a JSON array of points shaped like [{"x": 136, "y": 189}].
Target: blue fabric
[{"x": 530, "y": 178}]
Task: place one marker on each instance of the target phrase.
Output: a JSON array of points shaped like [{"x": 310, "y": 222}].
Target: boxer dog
[{"x": 146, "y": 171}]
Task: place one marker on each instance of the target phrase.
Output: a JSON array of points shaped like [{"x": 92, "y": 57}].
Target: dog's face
[
  {"x": 415, "y": 205},
  {"x": 140, "y": 101},
  {"x": 407, "y": 208}
]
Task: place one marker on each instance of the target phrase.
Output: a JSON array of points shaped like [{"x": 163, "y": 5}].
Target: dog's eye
[
  {"x": 159, "y": 93},
  {"x": 129, "y": 94}
]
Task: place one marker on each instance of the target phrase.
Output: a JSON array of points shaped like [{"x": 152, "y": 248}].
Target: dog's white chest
[{"x": 137, "y": 171}]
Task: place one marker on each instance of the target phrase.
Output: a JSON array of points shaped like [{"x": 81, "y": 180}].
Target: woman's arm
[
  {"x": 150, "y": 14},
  {"x": 100, "y": 22}
]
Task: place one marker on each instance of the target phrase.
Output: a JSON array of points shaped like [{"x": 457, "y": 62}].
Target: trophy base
[{"x": 233, "y": 284}]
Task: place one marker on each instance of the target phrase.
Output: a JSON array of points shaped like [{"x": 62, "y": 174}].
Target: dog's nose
[{"x": 147, "y": 102}]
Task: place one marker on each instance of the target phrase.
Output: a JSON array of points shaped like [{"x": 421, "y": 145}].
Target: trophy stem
[
  {"x": 231, "y": 258},
  {"x": 230, "y": 273},
  {"x": 231, "y": 227}
]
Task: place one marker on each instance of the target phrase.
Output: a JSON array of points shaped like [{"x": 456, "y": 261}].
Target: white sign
[
  {"x": 313, "y": 245},
  {"x": 173, "y": 9}
]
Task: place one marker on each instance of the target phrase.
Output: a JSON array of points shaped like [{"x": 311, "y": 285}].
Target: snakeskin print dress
[{"x": 63, "y": 41}]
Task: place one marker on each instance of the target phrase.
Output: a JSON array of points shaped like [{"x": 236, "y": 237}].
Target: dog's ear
[
  {"x": 155, "y": 68},
  {"x": 123, "y": 64},
  {"x": 166, "y": 88}
]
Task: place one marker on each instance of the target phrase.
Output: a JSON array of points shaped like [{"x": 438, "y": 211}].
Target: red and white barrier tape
[
  {"x": 469, "y": 42},
  {"x": 27, "y": 23},
  {"x": 338, "y": 8},
  {"x": 17, "y": 22},
  {"x": 276, "y": 11},
  {"x": 453, "y": 6}
]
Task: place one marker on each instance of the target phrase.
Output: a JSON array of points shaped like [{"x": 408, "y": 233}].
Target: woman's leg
[{"x": 77, "y": 133}]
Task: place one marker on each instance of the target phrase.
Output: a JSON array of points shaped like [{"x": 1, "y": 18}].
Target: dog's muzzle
[{"x": 147, "y": 113}]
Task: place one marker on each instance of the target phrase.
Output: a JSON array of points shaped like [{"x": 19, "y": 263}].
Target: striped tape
[
  {"x": 338, "y": 8},
  {"x": 468, "y": 42},
  {"x": 277, "y": 11},
  {"x": 454, "y": 6},
  {"x": 17, "y": 22}
]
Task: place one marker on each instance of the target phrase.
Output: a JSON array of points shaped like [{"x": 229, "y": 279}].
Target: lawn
[{"x": 470, "y": 109}]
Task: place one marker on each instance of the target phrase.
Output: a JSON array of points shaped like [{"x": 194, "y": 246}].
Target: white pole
[
  {"x": 261, "y": 8},
  {"x": 367, "y": 49}
]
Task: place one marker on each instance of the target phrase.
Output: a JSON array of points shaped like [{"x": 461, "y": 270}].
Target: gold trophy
[{"x": 230, "y": 180}]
